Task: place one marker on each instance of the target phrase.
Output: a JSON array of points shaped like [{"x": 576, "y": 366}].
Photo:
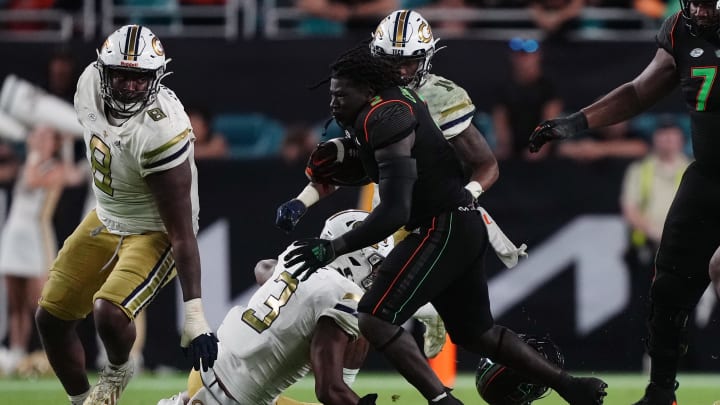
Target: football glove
[
  {"x": 197, "y": 340},
  {"x": 313, "y": 253},
  {"x": 368, "y": 399},
  {"x": 559, "y": 128},
  {"x": 289, "y": 214}
]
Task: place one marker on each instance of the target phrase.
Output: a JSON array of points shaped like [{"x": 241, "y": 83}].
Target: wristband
[
  {"x": 349, "y": 375},
  {"x": 474, "y": 188},
  {"x": 309, "y": 196},
  {"x": 195, "y": 323}
]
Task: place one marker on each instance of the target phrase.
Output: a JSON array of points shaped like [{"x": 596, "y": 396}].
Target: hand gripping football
[{"x": 336, "y": 162}]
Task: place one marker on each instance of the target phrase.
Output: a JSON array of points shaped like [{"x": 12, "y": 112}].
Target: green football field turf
[{"x": 146, "y": 389}]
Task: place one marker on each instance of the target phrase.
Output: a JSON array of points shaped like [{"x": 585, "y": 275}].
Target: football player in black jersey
[
  {"x": 688, "y": 56},
  {"x": 422, "y": 188}
]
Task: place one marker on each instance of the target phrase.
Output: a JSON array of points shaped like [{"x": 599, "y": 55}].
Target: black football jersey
[
  {"x": 391, "y": 116},
  {"x": 697, "y": 59}
]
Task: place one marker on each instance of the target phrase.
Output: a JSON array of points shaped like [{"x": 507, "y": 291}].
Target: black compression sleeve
[{"x": 397, "y": 179}]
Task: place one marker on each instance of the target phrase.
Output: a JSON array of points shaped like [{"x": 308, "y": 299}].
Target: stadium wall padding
[{"x": 575, "y": 286}]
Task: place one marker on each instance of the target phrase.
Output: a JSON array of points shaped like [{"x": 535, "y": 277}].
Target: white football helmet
[
  {"x": 405, "y": 34},
  {"x": 132, "y": 48},
  {"x": 357, "y": 265}
]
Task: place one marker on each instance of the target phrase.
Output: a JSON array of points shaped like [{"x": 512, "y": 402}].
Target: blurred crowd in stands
[{"x": 348, "y": 17}]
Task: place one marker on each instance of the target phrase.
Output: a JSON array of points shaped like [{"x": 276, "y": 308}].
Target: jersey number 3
[
  {"x": 708, "y": 75},
  {"x": 100, "y": 159},
  {"x": 274, "y": 303}
]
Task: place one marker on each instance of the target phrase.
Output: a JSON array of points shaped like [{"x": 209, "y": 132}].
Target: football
[{"x": 336, "y": 162}]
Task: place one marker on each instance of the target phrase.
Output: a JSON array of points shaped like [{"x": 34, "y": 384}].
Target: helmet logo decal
[
  {"x": 400, "y": 28},
  {"x": 425, "y": 33},
  {"x": 695, "y": 53},
  {"x": 378, "y": 32},
  {"x": 132, "y": 40},
  {"x": 157, "y": 47}
]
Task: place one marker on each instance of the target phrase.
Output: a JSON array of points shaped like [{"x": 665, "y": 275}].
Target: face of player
[
  {"x": 129, "y": 86},
  {"x": 346, "y": 100},
  {"x": 408, "y": 68},
  {"x": 705, "y": 13}
]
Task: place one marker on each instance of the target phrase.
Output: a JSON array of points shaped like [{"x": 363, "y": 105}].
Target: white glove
[
  {"x": 505, "y": 250},
  {"x": 435, "y": 334}
]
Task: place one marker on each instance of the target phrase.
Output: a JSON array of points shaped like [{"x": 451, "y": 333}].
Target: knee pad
[{"x": 667, "y": 328}]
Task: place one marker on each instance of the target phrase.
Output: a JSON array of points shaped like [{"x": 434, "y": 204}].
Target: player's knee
[
  {"x": 377, "y": 331},
  {"x": 108, "y": 316},
  {"x": 43, "y": 319}
]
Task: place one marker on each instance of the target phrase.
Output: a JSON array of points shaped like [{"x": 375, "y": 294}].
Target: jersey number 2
[
  {"x": 100, "y": 159},
  {"x": 708, "y": 75},
  {"x": 274, "y": 303}
]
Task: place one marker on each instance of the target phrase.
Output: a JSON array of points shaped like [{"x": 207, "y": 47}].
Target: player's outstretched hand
[
  {"x": 368, "y": 399},
  {"x": 289, "y": 214},
  {"x": 197, "y": 340},
  {"x": 559, "y": 128},
  {"x": 313, "y": 253}
]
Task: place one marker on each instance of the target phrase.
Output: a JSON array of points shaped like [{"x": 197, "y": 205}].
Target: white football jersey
[
  {"x": 265, "y": 347},
  {"x": 449, "y": 104},
  {"x": 155, "y": 139}
]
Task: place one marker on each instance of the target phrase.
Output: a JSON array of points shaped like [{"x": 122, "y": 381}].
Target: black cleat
[
  {"x": 448, "y": 400},
  {"x": 657, "y": 395},
  {"x": 585, "y": 391}
]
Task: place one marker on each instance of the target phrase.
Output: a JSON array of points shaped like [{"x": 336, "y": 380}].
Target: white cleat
[{"x": 111, "y": 384}]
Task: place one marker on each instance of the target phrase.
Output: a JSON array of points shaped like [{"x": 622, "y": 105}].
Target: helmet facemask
[
  {"x": 359, "y": 266},
  {"x": 702, "y": 26},
  {"x": 124, "y": 103},
  {"x": 134, "y": 52}
]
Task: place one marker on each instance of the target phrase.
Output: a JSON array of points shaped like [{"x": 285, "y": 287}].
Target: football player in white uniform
[
  {"x": 290, "y": 327},
  {"x": 139, "y": 144}
]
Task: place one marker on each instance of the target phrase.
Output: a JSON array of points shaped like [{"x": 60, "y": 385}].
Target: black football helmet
[
  {"x": 701, "y": 25},
  {"x": 500, "y": 385}
]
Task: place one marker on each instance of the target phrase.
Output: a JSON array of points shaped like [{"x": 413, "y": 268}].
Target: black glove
[
  {"x": 203, "y": 349},
  {"x": 368, "y": 399},
  {"x": 289, "y": 214},
  {"x": 313, "y": 253},
  {"x": 559, "y": 128}
]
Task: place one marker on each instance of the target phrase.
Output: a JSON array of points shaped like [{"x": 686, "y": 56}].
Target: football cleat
[
  {"x": 656, "y": 395},
  {"x": 110, "y": 385}
]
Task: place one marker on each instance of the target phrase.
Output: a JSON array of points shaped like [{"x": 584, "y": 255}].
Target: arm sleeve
[
  {"x": 388, "y": 122},
  {"x": 397, "y": 180},
  {"x": 666, "y": 35}
]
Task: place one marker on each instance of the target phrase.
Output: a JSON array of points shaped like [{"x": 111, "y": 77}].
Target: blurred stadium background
[{"x": 246, "y": 65}]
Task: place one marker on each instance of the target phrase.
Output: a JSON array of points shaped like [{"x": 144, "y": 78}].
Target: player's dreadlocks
[{"x": 359, "y": 66}]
